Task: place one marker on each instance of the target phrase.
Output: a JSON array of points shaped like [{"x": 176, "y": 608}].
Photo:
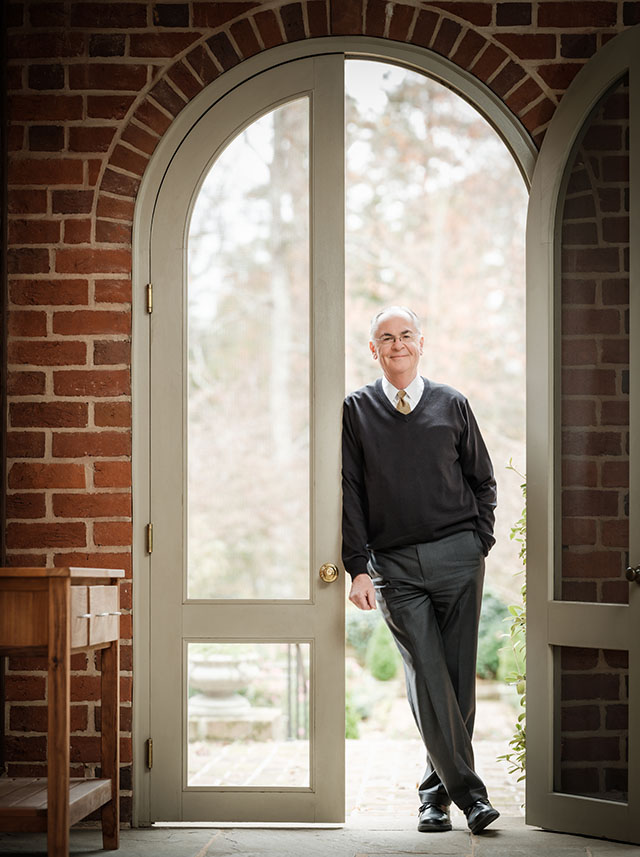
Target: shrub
[
  {"x": 491, "y": 634},
  {"x": 360, "y": 625},
  {"x": 382, "y": 657}
]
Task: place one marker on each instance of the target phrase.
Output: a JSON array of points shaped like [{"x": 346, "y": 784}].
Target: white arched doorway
[{"x": 169, "y": 618}]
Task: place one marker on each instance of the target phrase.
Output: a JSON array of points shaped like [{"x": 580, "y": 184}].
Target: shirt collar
[{"x": 413, "y": 390}]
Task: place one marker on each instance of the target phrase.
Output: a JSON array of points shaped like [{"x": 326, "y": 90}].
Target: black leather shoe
[
  {"x": 433, "y": 818},
  {"x": 479, "y": 815}
]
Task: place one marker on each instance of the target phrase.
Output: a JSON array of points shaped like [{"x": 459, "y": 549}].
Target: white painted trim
[
  {"x": 327, "y": 382},
  {"x": 422, "y": 60},
  {"x": 588, "y": 624}
]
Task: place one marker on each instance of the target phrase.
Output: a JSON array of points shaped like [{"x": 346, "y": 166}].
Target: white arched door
[
  {"x": 583, "y": 449},
  {"x": 246, "y": 639},
  {"x": 238, "y": 638}
]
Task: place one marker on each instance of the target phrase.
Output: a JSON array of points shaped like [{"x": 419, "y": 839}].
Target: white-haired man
[{"x": 418, "y": 512}]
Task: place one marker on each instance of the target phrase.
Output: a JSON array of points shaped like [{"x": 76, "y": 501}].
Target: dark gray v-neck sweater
[{"x": 409, "y": 478}]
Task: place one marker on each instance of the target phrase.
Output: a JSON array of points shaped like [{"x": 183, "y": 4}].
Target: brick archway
[
  {"x": 92, "y": 89},
  {"x": 236, "y": 37}
]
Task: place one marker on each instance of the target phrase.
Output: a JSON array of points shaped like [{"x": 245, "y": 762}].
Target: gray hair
[{"x": 393, "y": 310}]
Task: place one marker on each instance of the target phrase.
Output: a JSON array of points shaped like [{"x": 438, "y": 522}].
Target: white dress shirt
[{"x": 413, "y": 390}]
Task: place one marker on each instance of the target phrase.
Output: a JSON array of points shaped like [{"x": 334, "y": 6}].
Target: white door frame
[
  {"x": 516, "y": 139},
  {"x": 562, "y": 623}
]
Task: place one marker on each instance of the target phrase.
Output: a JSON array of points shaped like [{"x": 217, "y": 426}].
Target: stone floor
[
  {"x": 381, "y": 810},
  {"x": 384, "y": 767},
  {"x": 370, "y": 837}
]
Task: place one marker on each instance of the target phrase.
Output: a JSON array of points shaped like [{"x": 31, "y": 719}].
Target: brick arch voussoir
[
  {"x": 435, "y": 26},
  {"x": 429, "y": 26},
  {"x": 172, "y": 89},
  {"x": 464, "y": 44}
]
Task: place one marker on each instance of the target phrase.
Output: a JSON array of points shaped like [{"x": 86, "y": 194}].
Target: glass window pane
[
  {"x": 594, "y": 332},
  {"x": 248, "y": 712},
  {"x": 248, "y": 363},
  {"x": 591, "y": 744}
]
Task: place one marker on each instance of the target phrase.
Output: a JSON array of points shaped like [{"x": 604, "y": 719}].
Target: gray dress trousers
[{"x": 430, "y": 596}]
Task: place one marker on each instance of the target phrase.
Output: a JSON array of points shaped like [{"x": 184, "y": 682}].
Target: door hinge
[
  {"x": 149, "y": 297},
  {"x": 149, "y": 753},
  {"x": 149, "y": 538}
]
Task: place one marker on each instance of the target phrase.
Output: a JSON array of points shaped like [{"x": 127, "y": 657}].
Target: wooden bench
[{"x": 55, "y": 612}]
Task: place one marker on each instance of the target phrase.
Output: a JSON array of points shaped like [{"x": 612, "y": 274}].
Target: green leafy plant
[
  {"x": 490, "y": 634},
  {"x": 516, "y": 757},
  {"x": 383, "y": 658}
]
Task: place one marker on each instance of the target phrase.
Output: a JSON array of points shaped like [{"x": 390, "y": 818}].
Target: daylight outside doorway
[{"x": 435, "y": 219}]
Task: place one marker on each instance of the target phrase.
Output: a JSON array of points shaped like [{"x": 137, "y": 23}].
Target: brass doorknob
[
  {"x": 329, "y": 572},
  {"x": 633, "y": 574}
]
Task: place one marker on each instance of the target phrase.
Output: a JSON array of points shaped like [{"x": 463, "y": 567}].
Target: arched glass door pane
[
  {"x": 591, "y": 740},
  {"x": 248, "y": 364},
  {"x": 594, "y": 343}
]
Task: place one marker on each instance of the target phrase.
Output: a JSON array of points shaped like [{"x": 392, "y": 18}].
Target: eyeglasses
[{"x": 404, "y": 338}]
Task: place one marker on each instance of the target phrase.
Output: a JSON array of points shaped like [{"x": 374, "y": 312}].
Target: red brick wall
[
  {"x": 592, "y": 743},
  {"x": 92, "y": 88}
]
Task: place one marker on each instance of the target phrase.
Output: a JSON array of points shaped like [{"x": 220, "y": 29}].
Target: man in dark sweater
[{"x": 418, "y": 511}]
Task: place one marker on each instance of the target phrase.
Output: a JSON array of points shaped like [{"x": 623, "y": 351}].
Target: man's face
[{"x": 400, "y": 355}]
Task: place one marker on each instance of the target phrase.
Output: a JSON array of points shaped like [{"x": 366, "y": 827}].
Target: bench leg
[
  {"x": 58, "y": 718},
  {"x": 110, "y": 741}
]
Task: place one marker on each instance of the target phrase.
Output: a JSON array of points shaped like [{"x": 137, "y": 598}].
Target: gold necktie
[{"x": 402, "y": 404}]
